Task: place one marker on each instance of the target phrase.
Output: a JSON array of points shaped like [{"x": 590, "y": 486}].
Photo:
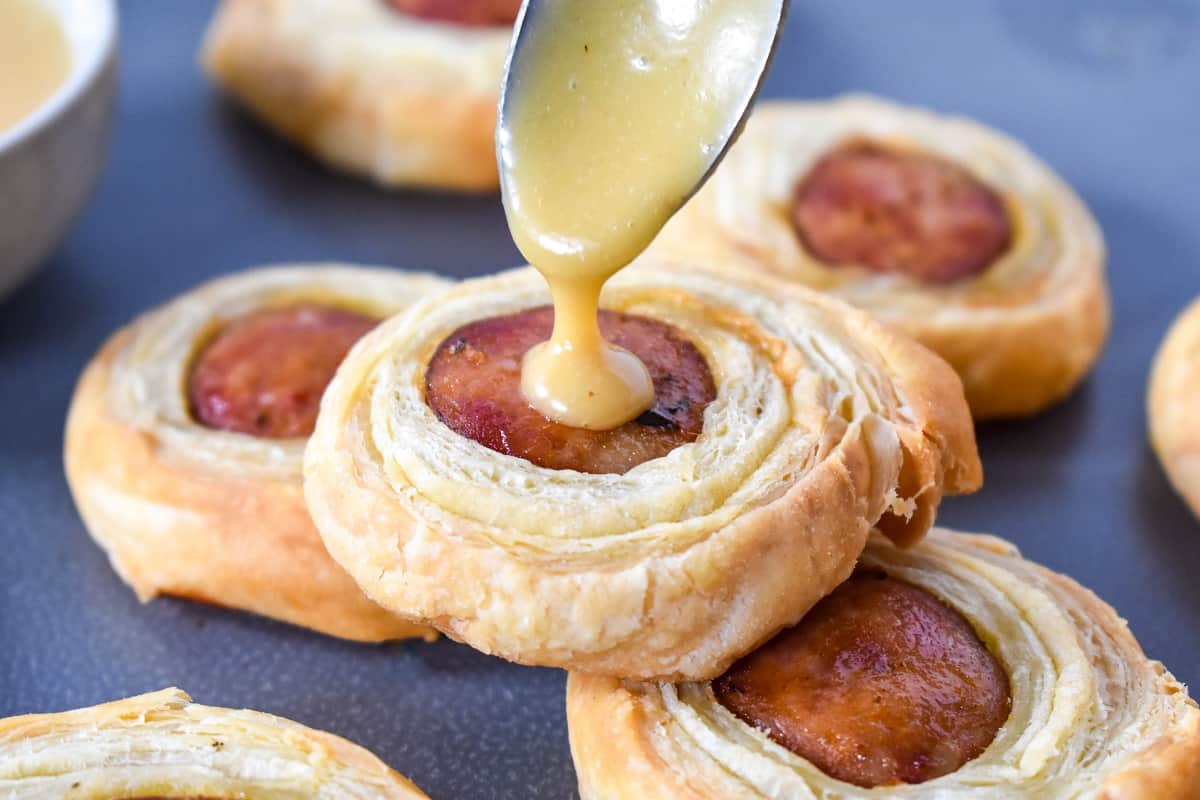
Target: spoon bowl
[{"x": 570, "y": 59}]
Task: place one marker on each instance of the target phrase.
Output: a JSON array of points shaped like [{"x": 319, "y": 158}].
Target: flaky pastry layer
[
  {"x": 824, "y": 422},
  {"x": 218, "y": 516},
  {"x": 1091, "y": 717},
  {"x": 164, "y": 745},
  {"x": 1021, "y": 334},
  {"x": 368, "y": 90}
]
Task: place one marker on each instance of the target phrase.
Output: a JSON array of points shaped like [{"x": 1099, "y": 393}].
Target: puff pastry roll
[
  {"x": 951, "y": 231},
  {"x": 1171, "y": 405},
  {"x": 402, "y": 91},
  {"x": 900, "y": 706},
  {"x": 162, "y": 745},
  {"x": 546, "y": 545},
  {"x": 185, "y": 438}
]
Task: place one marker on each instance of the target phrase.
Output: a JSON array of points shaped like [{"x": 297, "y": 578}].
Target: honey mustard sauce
[
  {"x": 35, "y": 58},
  {"x": 612, "y": 115}
]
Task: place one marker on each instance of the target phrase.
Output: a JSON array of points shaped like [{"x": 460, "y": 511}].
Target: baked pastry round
[
  {"x": 1171, "y": 405},
  {"x": 218, "y": 515},
  {"x": 162, "y": 745},
  {"x": 824, "y": 423},
  {"x": 952, "y": 231},
  {"x": 1090, "y": 715},
  {"x": 381, "y": 88}
]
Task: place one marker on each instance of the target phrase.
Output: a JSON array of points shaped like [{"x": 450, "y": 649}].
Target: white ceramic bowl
[{"x": 50, "y": 160}]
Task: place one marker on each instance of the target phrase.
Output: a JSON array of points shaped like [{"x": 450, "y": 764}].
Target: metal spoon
[{"x": 540, "y": 21}]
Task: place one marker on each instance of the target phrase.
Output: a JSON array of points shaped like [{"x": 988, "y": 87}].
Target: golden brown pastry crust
[
  {"x": 1173, "y": 412},
  {"x": 824, "y": 421},
  {"x": 1021, "y": 334},
  {"x": 163, "y": 745},
  {"x": 371, "y": 91},
  {"x": 214, "y": 515},
  {"x": 1092, "y": 716}
]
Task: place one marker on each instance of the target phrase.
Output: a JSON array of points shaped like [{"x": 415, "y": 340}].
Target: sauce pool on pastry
[
  {"x": 473, "y": 385},
  {"x": 881, "y": 683},
  {"x": 471, "y": 13},
  {"x": 264, "y": 374},
  {"x": 899, "y": 211}
]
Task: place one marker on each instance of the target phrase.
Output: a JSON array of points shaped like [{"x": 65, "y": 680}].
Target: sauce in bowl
[{"x": 35, "y": 59}]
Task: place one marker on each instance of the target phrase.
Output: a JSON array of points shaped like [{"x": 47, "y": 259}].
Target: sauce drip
[
  {"x": 473, "y": 385},
  {"x": 35, "y": 59},
  {"x": 613, "y": 113}
]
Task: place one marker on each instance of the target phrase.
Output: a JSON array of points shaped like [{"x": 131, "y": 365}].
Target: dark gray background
[{"x": 1106, "y": 92}]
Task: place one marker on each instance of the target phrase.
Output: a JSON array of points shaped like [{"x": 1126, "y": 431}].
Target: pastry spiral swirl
[
  {"x": 824, "y": 424},
  {"x": 162, "y": 745},
  {"x": 1021, "y": 333},
  {"x": 216, "y": 515},
  {"x": 1091, "y": 715}
]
